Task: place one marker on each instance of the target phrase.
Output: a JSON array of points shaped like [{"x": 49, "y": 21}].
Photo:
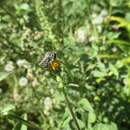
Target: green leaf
[
  {"x": 25, "y": 6},
  {"x": 6, "y": 108},
  {"x": 107, "y": 56},
  {"x": 123, "y": 62},
  {"x": 84, "y": 104},
  {"x": 91, "y": 117},
  {"x": 24, "y": 127},
  {"x": 119, "y": 42},
  {"x": 100, "y": 126},
  {"x": 123, "y": 22},
  {"x": 4, "y": 75},
  {"x": 99, "y": 73},
  {"x": 81, "y": 124},
  {"x": 114, "y": 70}
]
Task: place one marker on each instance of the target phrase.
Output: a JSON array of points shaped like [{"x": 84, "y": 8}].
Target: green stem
[
  {"x": 62, "y": 24},
  {"x": 70, "y": 109},
  {"x": 28, "y": 123}
]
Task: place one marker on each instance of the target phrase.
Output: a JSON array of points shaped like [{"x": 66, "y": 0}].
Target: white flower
[
  {"x": 35, "y": 83},
  {"x": 99, "y": 28},
  {"x": 23, "y": 81},
  {"x": 52, "y": 91},
  {"x": 46, "y": 112},
  {"x": 104, "y": 12},
  {"x": 81, "y": 35},
  {"x": 9, "y": 67},
  {"x": 97, "y": 19},
  {"x": 48, "y": 103},
  {"x": 93, "y": 38},
  {"x": 114, "y": 49},
  {"x": 23, "y": 63}
]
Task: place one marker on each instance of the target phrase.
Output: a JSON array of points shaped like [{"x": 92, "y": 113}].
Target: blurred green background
[{"x": 92, "y": 41}]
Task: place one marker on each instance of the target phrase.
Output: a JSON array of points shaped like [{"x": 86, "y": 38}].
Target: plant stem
[
  {"x": 61, "y": 25},
  {"x": 27, "y": 123},
  {"x": 70, "y": 109}
]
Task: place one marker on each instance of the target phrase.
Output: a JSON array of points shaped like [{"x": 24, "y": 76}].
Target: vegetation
[{"x": 87, "y": 87}]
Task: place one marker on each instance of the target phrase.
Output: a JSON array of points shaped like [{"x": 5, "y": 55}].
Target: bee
[{"x": 50, "y": 61}]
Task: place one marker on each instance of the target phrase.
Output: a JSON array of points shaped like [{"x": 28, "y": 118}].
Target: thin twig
[
  {"x": 62, "y": 25},
  {"x": 71, "y": 110},
  {"x": 27, "y": 123}
]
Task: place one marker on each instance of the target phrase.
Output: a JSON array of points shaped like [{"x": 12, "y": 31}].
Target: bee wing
[
  {"x": 44, "y": 61},
  {"x": 49, "y": 56}
]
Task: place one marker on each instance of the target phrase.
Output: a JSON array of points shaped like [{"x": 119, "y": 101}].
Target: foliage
[{"x": 91, "y": 39}]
